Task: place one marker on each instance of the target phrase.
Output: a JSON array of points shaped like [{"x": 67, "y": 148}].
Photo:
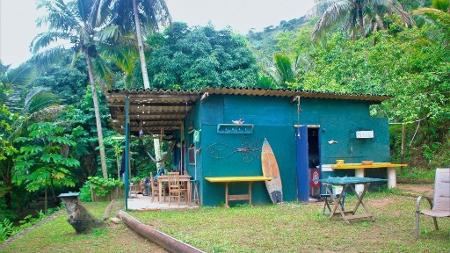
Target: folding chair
[{"x": 440, "y": 205}]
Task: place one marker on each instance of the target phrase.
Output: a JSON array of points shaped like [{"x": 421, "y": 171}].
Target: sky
[{"x": 18, "y": 28}]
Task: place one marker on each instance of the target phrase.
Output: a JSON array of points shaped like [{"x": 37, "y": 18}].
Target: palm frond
[
  {"x": 59, "y": 17},
  {"x": 50, "y": 56},
  {"x": 108, "y": 34},
  {"x": 285, "y": 72},
  {"x": 438, "y": 17},
  {"x": 39, "y": 98},
  {"x": 44, "y": 39},
  {"x": 332, "y": 14}
]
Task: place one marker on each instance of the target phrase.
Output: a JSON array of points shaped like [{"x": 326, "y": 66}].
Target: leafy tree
[
  {"x": 410, "y": 64},
  {"x": 358, "y": 17},
  {"x": 82, "y": 115},
  {"x": 66, "y": 82},
  {"x": 72, "y": 22},
  {"x": 193, "y": 58},
  {"x": 7, "y": 152},
  {"x": 39, "y": 104},
  {"x": 44, "y": 160}
]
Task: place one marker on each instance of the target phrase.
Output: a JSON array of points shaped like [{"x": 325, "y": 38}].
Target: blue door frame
[{"x": 302, "y": 158}]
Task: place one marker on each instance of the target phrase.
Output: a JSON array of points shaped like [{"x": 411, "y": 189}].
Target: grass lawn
[
  {"x": 58, "y": 236},
  {"x": 299, "y": 228}
]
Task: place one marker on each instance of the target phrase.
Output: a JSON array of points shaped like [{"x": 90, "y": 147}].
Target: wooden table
[
  {"x": 359, "y": 170},
  {"x": 349, "y": 183},
  {"x": 228, "y": 180},
  {"x": 182, "y": 178}
]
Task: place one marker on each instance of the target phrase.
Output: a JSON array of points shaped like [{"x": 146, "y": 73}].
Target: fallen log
[{"x": 164, "y": 240}]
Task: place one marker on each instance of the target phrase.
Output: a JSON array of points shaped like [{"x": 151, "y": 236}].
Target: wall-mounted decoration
[
  {"x": 196, "y": 136},
  {"x": 235, "y": 129},
  {"x": 247, "y": 150},
  {"x": 364, "y": 134}
]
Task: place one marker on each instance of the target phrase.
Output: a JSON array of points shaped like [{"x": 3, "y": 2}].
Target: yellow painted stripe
[
  {"x": 237, "y": 179},
  {"x": 368, "y": 166}
]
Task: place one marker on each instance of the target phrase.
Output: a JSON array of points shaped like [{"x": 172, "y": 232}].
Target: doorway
[
  {"x": 308, "y": 162},
  {"x": 314, "y": 161}
]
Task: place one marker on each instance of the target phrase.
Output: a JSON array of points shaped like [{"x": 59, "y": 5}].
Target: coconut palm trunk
[
  {"x": 97, "y": 116},
  {"x": 137, "y": 23}
]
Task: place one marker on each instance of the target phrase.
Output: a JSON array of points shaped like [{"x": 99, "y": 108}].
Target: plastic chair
[{"x": 440, "y": 205}]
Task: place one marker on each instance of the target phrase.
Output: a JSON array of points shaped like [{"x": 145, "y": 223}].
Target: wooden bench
[{"x": 236, "y": 197}]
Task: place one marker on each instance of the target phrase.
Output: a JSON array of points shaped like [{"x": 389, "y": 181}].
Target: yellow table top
[
  {"x": 237, "y": 179},
  {"x": 347, "y": 166}
]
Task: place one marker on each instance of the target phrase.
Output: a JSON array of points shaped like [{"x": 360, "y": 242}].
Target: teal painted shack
[{"x": 221, "y": 131}]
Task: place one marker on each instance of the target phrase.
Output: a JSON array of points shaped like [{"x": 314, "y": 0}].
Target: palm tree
[
  {"x": 284, "y": 72},
  {"x": 358, "y": 17},
  {"x": 126, "y": 16},
  {"x": 72, "y": 22}
]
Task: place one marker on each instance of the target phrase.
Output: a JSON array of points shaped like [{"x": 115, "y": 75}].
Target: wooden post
[
  {"x": 46, "y": 201},
  {"x": 392, "y": 178},
  {"x": 250, "y": 193},
  {"x": 402, "y": 151},
  {"x": 226, "y": 195},
  {"x": 127, "y": 151},
  {"x": 359, "y": 187},
  {"x": 181, "y": 147}
]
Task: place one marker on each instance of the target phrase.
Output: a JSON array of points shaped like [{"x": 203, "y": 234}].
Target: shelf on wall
[{"x": 234, "y": 129}]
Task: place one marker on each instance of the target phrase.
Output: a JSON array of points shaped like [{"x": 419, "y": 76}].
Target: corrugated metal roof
[
  {"x": 255, "y": 92},
  {"x": 154, "y": 109}
]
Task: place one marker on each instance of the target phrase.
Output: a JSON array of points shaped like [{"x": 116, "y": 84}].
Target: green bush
[
  {"x": 85, "y": 193},
  {"x": 101, "y": 186}
]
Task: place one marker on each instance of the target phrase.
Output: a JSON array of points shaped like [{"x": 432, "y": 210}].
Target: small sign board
[{"x": 364, "y": 134}]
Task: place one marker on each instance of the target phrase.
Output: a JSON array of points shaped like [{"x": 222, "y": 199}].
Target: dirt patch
[
  {"x": 380, "y": 203},
  {"x": 417, "y": 189},
  {"x": 132, "y": 241}
]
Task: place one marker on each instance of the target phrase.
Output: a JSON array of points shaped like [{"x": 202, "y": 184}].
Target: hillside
[{"x": 264, "y": 43}]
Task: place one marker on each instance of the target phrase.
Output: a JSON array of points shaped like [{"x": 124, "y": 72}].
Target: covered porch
[{"x": 160, "y": 114}]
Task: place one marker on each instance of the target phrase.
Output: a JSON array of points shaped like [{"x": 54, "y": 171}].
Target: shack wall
[{"x": 274, "y": 118}]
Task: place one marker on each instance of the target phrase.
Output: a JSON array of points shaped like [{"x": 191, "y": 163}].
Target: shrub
[
  {"x": 102, "y": 186},
  {"x": 85, "y": 193}
]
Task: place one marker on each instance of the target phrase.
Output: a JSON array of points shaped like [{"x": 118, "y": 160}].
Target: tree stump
[{"x": 79, "y": 217}]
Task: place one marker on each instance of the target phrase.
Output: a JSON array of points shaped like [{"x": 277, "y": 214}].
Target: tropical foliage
[
  {"x": 55, "y": 131},
  {"x": 356, "y": 17},
  {"x": 192, "y": 58},
  {"x": 45, "y": 159}
]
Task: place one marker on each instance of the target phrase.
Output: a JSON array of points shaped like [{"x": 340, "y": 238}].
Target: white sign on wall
[{"x": 364, "y": 134}]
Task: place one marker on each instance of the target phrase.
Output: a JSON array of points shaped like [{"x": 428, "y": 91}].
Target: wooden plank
[
  {"x": 358, "y": 216},
  {"x": 238, "y": 197}
]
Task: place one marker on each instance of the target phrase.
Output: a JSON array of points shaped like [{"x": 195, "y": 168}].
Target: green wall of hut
[{"x": 274, "y": 119}]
